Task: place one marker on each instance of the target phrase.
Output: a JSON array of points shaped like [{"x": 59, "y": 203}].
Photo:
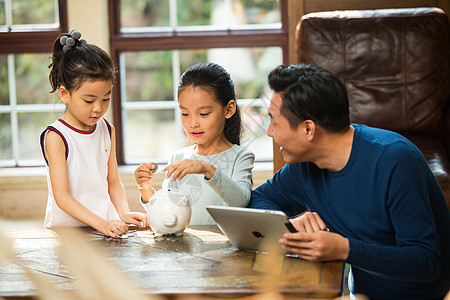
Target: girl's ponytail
[
  {"x": 55, "y": 64},
  {"x": 74, "y": 61}
]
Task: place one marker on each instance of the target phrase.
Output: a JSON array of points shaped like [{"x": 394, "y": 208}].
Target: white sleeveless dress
[{"x": 87, "y": 155}]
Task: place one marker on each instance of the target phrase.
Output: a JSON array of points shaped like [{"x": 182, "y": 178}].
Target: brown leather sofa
[{"x": 395, "y": 64}]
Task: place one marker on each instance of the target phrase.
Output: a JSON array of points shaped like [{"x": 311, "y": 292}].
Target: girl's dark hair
[
  {"x": 215, "y": 80},
  {"x": 309, "y": 92},
  {"x": 83, "y": 62}
]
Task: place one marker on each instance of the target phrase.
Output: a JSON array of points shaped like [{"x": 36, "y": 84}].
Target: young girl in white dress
[
  {"x": 79, "y": 148},
  {"x": 216, "y": 170}
]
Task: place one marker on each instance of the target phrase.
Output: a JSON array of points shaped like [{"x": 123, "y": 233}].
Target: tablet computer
[{"x": 251, "y": 229}]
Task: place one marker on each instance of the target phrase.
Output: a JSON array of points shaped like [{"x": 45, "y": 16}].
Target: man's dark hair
[{"x": 310, "y": 92}]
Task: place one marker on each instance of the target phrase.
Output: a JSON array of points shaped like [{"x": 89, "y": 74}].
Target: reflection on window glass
[
  {"x": 255, "y": 122},
  {"x": 245, "y": 12},
  {"x": 191, "y": 57},
  {"x": 148, "y": 76},
  {"x": 144, "y": 13},
  {"x": 4, "y": 89},
  {"x": 5, "y": 137},
  {"x": 30, "y": 127},
  {"x": 248, "y": 68},
  {"x": 218, "y": 14},
  {"x": 257, "y": 11},
  {"x": 34, "y": 12},
  {"x": 32, "y": 84},
  {"x": 2, "y": 13},
  {"x": 194, "y": 13},
  {"x": 149, "y": 135}
]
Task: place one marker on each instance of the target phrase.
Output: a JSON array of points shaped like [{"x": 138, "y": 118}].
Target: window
[
  {"x": 153, "y": 42},
  {"x": 27, "y": 29}
]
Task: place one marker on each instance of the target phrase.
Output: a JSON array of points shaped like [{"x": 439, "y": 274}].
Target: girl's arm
[
  {"x": 117, "y": 191},
  {"x": 235, "y": 190},
  {"x": 55, "y": 154}
]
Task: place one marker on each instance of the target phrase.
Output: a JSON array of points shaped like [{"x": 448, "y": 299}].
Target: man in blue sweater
[{"x": 370, "y": 196}]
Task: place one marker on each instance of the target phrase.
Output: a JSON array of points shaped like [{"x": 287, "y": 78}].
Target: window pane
[
  {"x": 248, "y": 68},
  {"x": 149, "y": 135},
  {"x": 148, "y": 76},
  {"x": 155, "y": 15},
  {"x": 144, "y": 13},
  {"x": 257, "y": 11},
  {"x": 227, "y": 14},
  {"x": 4, "y": 89},
  {"x": 245, "y": 12},
  {"x": 191, "y": 57},
  {"x": 32, "y": 84},
  {"x": 194, "y": 13},
  {"x": 5, "y": 137},
  {"x": 34, "y": 12},
  {"x": 30, "y": 127},
  {"x": 2, "y": 13},
  {"x": 255, "y": 123}
]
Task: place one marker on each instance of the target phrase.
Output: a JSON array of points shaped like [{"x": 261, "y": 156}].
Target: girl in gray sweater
[{"x": 216, "y": 170}]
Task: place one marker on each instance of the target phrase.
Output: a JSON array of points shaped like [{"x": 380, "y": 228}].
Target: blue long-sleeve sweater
[{"x": 389, "y": 206}]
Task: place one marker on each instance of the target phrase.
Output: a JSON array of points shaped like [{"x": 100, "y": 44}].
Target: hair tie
[{"x": 69, "y": 41}]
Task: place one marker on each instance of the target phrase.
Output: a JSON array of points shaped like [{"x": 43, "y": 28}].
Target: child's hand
[
  {"x": 144, "y": 175},
  {"x": 113, "y": 228},
  {"x": 136, "y": 218},
  {"x": 181, "y": 168}
]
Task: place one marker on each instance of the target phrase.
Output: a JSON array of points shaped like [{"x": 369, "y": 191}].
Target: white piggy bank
[{"x": 168, "y": 212}]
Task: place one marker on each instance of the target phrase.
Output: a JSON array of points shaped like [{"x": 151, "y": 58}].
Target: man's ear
[
  {"x": 64, "y": 94},
  {"x": 310, "y": 129},
  {"x": 230, "y": 109}
]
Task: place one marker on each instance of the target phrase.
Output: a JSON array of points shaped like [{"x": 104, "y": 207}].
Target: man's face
[{"x": 292, "y": 142}]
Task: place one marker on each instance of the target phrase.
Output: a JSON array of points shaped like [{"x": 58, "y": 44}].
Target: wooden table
[{"x": 202, "y": 261}]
